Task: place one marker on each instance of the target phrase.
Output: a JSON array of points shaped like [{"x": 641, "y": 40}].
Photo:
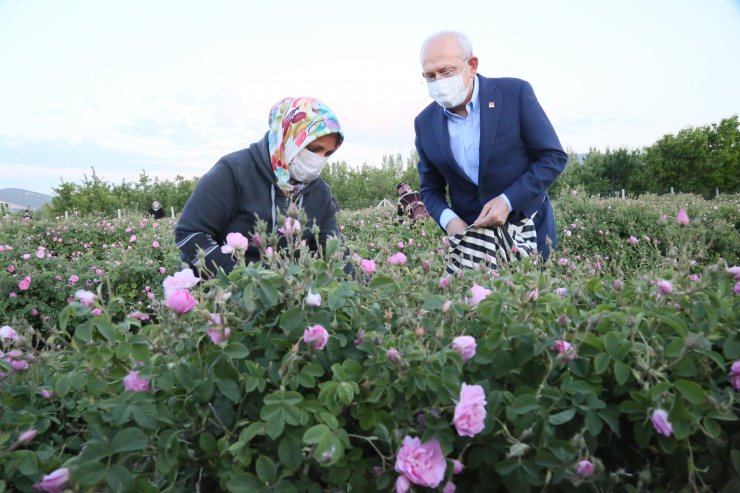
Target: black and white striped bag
[{"x": 484, "y": 248}]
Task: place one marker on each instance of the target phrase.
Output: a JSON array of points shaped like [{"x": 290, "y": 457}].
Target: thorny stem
[{"x": 370, "y": 440}]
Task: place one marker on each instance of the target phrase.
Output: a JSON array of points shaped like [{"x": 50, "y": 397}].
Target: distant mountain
[{"x": 19, "y": 199}]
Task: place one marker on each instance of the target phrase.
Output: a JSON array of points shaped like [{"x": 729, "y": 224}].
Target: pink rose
[
  {"x": 397, "y": 259},
  {"x": 316, "y": 336},
  {"x": 617, "y": 284},
  {"x": 185, "y": 279},
  {"x": 457, "y": 466},
  {"x": 470, "y": 411},
  {"x": 313, "y": 299},
  {"x": 8, "y": 332},
  {"x": 735, "y": 375},
  {"x": 393, "y": 355},
  {"x": 477, "y": 294},
  {"x": 46, "y": 394},
  {"x": 86, "y": 297},
  {"x": 54, "y": 482},
  {"x": 421, "y": 463},
  {"x": 402, "y": 484},
  {"x": 444, "y": 283},
  {"x": 736, "y": 288},
  {"x": 632, "y": 241},
  {"x": 449, "y": 487},
  {"x": 73, "y": 278},
  {"x": 180, "y": 301},
  {"x": 735, "y": 271},
  {"x": 368, "y": 266},
  {"x": 585, "y": 468},
  {"x": 218, "y": 334},
  {"x": 292, "y": 227},
  {"x": 132, "y": 239},
  {"x": 534, "y": 294},
  {"x": 25, "y": 283},
  {"x": 566, "y": 350},
  {"x": 465, "y": 345},
  {"x": 155, "y": 244},
  {"x": 661, "y": 423},
  {"x": 682, "y": 219},
  {"x": 235, "y": 241},
  {"x": 694, "y": 278},
  {"x": 133, "y": 383},
  {"x": 26, "y": 437},
  {"x": 664, "y": 287},
  {"x": 11, "y": 268}
]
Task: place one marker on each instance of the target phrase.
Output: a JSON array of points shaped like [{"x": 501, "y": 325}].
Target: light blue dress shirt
[{"x": 465, "y": 143}]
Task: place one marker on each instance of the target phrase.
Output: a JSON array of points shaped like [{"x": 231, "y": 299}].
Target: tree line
[{"x": 696, "y": 160}]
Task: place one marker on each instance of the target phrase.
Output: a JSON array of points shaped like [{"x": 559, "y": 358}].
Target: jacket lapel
[
  {"x": 442, "y": 136},
  {"x": 490, "y": 108}
]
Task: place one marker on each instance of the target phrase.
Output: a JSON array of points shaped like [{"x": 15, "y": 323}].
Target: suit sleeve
[
  {"x": 206, "y": 216},
  {"x": 546, "y": 156},
  {"x": 433, "y": 184}
]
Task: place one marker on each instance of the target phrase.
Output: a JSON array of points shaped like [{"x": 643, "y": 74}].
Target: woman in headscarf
[{"x": 260, "y": 182}]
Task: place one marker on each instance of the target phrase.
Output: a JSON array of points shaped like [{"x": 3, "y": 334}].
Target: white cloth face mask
[
  {"x": 306, "y": 166},
  {"x": 449, "y": 92}
]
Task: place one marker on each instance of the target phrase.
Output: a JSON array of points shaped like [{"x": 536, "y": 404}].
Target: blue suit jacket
[{"x": 520, "y": 156}]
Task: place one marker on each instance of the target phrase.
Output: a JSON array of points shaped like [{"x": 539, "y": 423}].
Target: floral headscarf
[{"x": 294, "y": 124}]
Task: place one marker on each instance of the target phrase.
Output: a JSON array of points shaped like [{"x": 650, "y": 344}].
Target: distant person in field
[
  {"x": 409, "y": 202},
  {"x": 156, "y": 211},
  {"x": 261, "y": 182},
  {"x": 485, "y": 142},
  {"x": 27, "y": 213}
]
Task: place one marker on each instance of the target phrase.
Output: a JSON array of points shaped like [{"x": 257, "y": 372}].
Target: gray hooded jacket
[{"x": 230, "y": 198}]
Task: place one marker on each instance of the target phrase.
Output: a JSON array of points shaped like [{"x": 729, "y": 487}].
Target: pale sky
[{"x": 171, "y": 86}]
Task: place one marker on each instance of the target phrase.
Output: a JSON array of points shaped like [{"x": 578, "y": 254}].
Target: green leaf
[
  {"x": 63, "y": 385},
  {"x": 601, "y": 362},
  {"x": 293, "y": 319},
  {"x": 524, "y": 404},
  {"x": 691, "y": 391},
  {"x": 611, "y": 342},
  {"x": 345, "y": 393},
  {"x": 145, "y": 414},
  {"x": 89, "y": 473},
  {"x": 380, "y": 281},
  {"x": 119, "y": 479},
  {"x": 621, "y": 372},
  {"x": 128, "y": 440},
  {"x": 289, "y": 452},
  {"x": 244, "y": 483},
  {"x": 236, "y": 350},
  {"x": 314, "y": 434},
  {"x": 731, "y": 348},
  {"x": 266, "y": 469},
  {"x": 329, "y": 450},
  {"x": 562, "y": 417},
  {"x": 433, "y": 302},
  {"x": 229, "y": 388},
  {"x": 332, "y": 247}
]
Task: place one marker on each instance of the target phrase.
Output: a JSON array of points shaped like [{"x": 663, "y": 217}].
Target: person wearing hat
[
  {"x": 262, "y": 182},
  {"x": 409, "y": 202}
]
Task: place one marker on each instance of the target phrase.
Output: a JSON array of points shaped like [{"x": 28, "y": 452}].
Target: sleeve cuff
[
  {"x": 506, "y": 199},
  {"x": 446, "y": 216}
]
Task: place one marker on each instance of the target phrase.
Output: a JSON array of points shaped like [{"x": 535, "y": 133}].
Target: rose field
[{"x": 612, "y": 367}]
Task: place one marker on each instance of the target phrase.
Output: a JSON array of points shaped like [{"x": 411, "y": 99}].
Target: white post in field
[
  {"x": 671, "y": 190},
  {"x": 623, "y": 193},
  {"x": 119, "y": 213},
  {"x": 172, "y": 211},
  {"x": 716, "y": 191},
  {"x": 66, "y": 215}
]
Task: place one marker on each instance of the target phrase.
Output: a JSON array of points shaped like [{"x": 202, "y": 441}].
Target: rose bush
[{"x": 124, "y": 403}]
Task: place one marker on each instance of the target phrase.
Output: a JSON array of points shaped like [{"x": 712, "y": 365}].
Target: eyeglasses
[{"x": 446, "y": 73}]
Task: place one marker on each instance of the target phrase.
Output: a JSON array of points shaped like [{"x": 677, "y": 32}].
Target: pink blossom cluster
[{"x": 176, "y": 291}]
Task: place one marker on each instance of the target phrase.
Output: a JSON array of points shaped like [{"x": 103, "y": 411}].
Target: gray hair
[{"x": 466, "y": 49}]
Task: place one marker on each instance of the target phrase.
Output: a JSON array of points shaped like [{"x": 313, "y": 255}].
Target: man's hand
[
  {"x": 494, "y": 213},
  {"x": 455, "y": 226}
]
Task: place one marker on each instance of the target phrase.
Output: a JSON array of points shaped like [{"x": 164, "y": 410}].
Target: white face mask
[
  {"x": 306, "y": 166},
  {"x": 449, "y": 92}
]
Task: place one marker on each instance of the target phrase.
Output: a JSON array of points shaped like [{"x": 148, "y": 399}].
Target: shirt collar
[{"x": 472, "y": 106}]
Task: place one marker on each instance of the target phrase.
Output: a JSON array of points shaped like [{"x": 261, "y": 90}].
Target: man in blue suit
[{"x": 485, "y": 142}]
